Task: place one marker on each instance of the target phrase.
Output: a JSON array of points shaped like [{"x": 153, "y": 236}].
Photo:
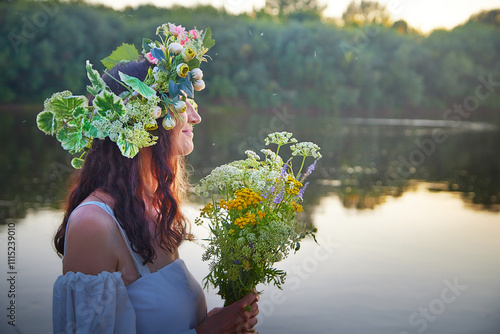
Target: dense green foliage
[{"x": 261, "y": 63}]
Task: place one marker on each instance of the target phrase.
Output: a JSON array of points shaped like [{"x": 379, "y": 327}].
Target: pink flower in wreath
[
  {"x": 151, "y": 59},
  {"x": 176, "y": 30},
  {"x": 193, "y": 33}
]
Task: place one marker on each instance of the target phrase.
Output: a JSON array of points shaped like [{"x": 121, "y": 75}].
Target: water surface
[{"x": 407, "y": 215}]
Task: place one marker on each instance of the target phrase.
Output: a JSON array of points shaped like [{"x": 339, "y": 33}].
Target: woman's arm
[
  {"x": 233, "y": 318},
  {"x": 90, "y": 246}
]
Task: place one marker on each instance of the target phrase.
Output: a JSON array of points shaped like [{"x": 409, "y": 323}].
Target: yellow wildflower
[{"x": 297, "y": 207}]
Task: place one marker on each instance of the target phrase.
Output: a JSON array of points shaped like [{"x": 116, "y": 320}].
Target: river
[{"x": 408, "y": 218}]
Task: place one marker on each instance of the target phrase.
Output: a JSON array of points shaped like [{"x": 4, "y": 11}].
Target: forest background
[{"x": 284, "y": 55}]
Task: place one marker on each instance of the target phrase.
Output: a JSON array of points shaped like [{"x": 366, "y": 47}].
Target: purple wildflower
[
  {"x": 251, "y": 245},
  {"x": 237, "y": 262},
  {"x": 311, "y": 168},
  {"x": 279, "y": 197},
  {"x": 266, "y": 193},
  {"x": 302, "y": 190},
  {"x": 283, "y": 170}
]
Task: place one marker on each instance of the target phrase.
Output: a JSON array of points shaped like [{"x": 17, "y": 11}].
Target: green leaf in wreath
[
  {"x": 107, "y": 101},
  {"x": 62, "y": 104},
  {"x": 77, "y": 163},
  {"x": 138, "y": 85},
  {"x": 86, "y": 126},
  {"x": 128, "y": 149},
  {"x": 125, "y": 52},
  {"x": 208, "y": 42},
  {"x": 193, "y": 63},
  {"x": 62, "y": 135},
  {"x": 173, "y": 89},
  {"x": 79, "y": 112},
  {"x": 158, "y": 54},
  {"x": 186, "y": 85},
  {"x": 91, "y": 131},
  {"x": 75, "y": 141},
  {"x": 95, "y": 79},
  {"x": 46, "y": 121}
]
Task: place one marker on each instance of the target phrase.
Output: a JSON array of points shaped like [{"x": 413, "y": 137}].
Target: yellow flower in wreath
[{"x": 182, "y": 70}]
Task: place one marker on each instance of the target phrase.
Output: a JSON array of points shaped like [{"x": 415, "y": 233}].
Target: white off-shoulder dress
[{"x": 167, "y": 301}]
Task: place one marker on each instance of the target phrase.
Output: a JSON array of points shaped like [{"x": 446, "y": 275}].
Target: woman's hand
[{"x": 232, "y": 319}]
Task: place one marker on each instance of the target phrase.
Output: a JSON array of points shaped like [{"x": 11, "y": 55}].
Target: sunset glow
[{"x": 425, "y": 15}]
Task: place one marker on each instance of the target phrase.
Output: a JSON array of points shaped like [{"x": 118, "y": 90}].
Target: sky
[{"x": 425, "y": 15}]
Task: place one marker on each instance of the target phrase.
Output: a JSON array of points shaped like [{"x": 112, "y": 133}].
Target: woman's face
[{"x": 182, "y": 135}]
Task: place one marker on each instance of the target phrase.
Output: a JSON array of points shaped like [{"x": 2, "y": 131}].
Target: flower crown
[{"x": 131, "y": 118}]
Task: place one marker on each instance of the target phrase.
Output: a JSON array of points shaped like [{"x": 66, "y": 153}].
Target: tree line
[{"x": 365, "y": 66}]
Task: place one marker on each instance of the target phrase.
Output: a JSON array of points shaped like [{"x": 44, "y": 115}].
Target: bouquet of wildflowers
[{"x": 252, "y": 217}]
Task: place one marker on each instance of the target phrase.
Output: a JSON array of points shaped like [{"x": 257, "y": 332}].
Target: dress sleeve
[{"x": 92, "y": 304}]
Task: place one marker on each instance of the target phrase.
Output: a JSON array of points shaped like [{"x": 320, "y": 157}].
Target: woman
[{"x": 120, "y": 237}]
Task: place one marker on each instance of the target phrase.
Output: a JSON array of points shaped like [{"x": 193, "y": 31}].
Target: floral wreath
[{"x": 131, "y": 118}]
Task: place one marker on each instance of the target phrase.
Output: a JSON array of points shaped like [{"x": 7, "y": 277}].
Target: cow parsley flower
[{"x": 306, "y": 149}]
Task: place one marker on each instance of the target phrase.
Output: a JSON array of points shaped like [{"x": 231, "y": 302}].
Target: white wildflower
[
  {"x": 280, "y": 138},
  {"x": 306, "y": 149},
  {"x": 252, "y": 155},
  {"x": 223, "y": 177}
]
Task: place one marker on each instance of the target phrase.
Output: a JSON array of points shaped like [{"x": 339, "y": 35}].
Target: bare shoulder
[{"x": 91, "y": 241}]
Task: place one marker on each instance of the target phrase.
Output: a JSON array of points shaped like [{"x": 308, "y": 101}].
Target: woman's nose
[{"x": 193, "y": 116}]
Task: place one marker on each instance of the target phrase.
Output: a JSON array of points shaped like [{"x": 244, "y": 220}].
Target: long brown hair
[{"x": 122, "y": 178}]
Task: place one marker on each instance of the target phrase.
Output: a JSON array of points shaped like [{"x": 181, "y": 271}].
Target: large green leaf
[
  {"x": 46, "y": 121},
  {"x": 125, "y": 52},
  {"x": 95, "y": 79},
  {"x": 75, "y": 141},
  {"x": 208, "y": 42},
  {"x": 128, "y": 149},
  {"x": 137, "y": 85},
  {"x": 107, "y": 101},
  {"x": 63, "y": 106}
]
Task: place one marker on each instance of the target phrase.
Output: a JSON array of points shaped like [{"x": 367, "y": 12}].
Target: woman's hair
[{"x": 105, "y": 168}]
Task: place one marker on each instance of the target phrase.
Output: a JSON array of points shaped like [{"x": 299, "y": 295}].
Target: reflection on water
[
  {"x": 364, "y": 160},
  {"x": 378, "y": 271},
  {"x": 403, "y": 210}
]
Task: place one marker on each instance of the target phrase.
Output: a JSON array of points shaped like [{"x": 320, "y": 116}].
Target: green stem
[
  {"x": 120, "y": 82},
  {"x": 301, "y": 166},
  {"x": 278, "y": 150}
]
